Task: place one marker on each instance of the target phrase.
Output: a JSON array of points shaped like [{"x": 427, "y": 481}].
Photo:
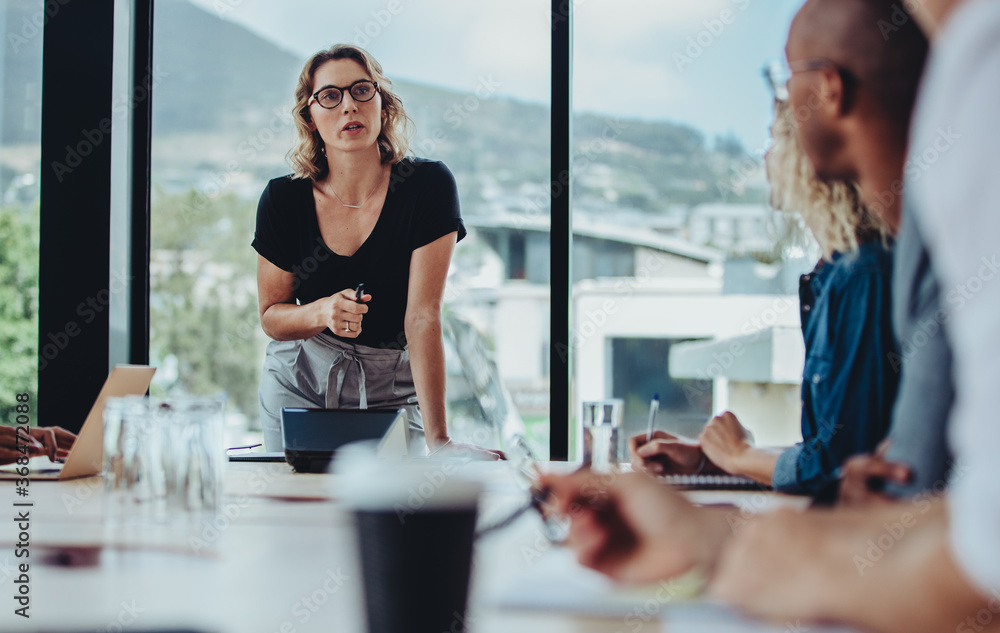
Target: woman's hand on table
[
  {"x": 448, "y": 448},
  {"x": 341, "y": 314}
]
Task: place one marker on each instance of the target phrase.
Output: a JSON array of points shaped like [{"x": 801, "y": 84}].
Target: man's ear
[{"x": 833, "y": 96}]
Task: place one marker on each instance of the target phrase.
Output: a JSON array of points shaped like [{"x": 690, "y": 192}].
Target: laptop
[
  {"x": 312, "y": 436},
  {"x": 86, "y": 457}
]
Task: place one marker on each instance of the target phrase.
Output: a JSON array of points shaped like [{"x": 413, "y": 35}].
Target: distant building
[
  {"x": 743, "y": 228},
  {"x": 652, "y": 314}
]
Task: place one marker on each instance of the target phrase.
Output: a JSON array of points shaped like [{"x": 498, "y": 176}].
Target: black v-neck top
[{"x": 420, "y": 206}]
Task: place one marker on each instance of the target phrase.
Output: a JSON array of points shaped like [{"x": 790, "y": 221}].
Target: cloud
[
  {"x": 626, "y": 21},
  {"x": 455, "y": 43}
]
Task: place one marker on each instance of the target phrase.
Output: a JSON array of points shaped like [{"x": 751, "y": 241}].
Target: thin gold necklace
[{"x": 358, "y": 206}]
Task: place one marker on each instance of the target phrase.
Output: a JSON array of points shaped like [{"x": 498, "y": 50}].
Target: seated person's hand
[
  {"x": 630, "y": 527},
  {"x": 863, "y": 476},
  {"x": 665, "y": 454},
  {"x": 9, "y": 445},
  {"x": 56, "y": 440},
  {"x": 53, "y": 441},
  {"x": 724, "y": 440}
]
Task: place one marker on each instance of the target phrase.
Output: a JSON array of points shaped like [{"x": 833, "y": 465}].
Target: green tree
[
  {"x": 18, "y": 307},
  {"x": 203, "y": 303}
]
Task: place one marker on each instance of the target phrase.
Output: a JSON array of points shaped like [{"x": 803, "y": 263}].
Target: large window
[
  {"x": 221, "y": 128},
  {"x": 20, "y": 135},
  {"x": 677, "y": 255}
]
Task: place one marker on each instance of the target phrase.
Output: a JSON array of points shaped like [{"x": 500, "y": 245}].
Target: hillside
[{"x": 221, "y": 119}]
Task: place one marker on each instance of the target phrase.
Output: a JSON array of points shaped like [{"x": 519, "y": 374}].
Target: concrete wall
[
  {"x": 653, "y": 310},
  {"x": 770, "y": 411}
]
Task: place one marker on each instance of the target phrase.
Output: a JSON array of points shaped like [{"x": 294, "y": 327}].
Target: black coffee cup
[{"x": 416, "y": 522}]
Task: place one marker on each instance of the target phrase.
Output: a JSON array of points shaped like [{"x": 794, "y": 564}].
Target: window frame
[
  {"x": 78, "y": 292},
  {"x": 77, "y": 212}
]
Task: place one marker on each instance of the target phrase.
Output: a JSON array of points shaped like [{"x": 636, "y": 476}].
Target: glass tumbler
[{"x": 602, "y": 420}]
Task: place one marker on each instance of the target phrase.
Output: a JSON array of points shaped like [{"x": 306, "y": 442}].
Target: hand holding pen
[
  {"x": 661, "y": 453},
  {"x": 343, "y": 312}
]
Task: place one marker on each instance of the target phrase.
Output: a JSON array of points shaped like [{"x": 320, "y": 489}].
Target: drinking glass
[
  {"x": 602, "y": 420},
  {"x": 193, "y": 454},
  {"x": 163, "y": 457},
  {"x": 132, "y": 461}
]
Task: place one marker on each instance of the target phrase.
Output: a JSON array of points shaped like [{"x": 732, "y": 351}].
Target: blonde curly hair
[
  {"x": 307, "y": 158},
  {"x": 833, "y": 211}
]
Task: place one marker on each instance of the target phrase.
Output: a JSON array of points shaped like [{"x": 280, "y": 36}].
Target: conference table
[{"x": 281, "y": 557}]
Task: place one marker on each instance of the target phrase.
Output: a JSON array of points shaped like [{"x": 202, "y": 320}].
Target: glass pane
[
  {"x": 685, "y": 278},
  {"x": 221, "y": 131},
  {"x": 20, "y": 153}
]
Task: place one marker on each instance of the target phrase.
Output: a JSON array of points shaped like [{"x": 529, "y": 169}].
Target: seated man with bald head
[
  {"x": 897, "y": 566},
  {"x": 873, "y": 81},
  {"x": 853, "y": 91}
]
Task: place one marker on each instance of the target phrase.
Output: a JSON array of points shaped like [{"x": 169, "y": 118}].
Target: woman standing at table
[{"x": 355, "y": 211}]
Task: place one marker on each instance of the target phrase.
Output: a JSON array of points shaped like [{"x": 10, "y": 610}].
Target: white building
[{"x": 650, "y": 316}]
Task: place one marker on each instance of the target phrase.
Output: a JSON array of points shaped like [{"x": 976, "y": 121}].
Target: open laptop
[
  {"x": 86, "y": 457},
  {"x": 312, "y": 436}
]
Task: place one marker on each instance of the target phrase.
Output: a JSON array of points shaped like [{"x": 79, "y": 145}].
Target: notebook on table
[{"x": 712, "y": 482}]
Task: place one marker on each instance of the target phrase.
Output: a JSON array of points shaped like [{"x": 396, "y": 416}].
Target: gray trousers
[{"x": 325, "y": 372}]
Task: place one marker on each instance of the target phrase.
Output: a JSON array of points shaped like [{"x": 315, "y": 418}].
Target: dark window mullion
[
  {"x": 75, "y": 182},
  {"x": 561, "y": 229},
  {"x": 141, "y": 169}
]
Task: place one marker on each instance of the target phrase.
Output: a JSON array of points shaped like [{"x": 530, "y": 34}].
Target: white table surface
[{"x": 279, "y": 559}]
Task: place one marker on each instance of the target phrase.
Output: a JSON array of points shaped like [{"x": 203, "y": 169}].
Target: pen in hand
[{"x": 654, "y": 406}]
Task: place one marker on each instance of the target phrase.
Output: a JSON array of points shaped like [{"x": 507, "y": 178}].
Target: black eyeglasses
[
  {"x": 330, "y": 96},
  {"x": 519, "y": 455},
  {"x": 777, "y": 73}
]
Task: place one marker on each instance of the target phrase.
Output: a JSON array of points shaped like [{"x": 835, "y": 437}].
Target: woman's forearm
[
  {"x": 290, "y": 322},
  {"x": 757, "y": 464},
  {"x": 426, "y": 347}
]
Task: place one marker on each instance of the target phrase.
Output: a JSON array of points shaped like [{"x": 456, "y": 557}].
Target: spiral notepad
[{"x": 712, "y": 482}]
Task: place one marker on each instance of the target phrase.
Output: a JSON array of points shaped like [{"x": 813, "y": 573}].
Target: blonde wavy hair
[
  {"x": 307, "y": 158},
  {"x": 833, "y": 211}
]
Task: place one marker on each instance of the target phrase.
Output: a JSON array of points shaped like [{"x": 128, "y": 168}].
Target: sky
[{"x": 692, "y": 61}]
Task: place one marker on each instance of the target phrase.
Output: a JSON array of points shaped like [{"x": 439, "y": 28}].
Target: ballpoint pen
[
  {"x": 654, "y": 406},
  {"x": 247, "y": 447}
]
